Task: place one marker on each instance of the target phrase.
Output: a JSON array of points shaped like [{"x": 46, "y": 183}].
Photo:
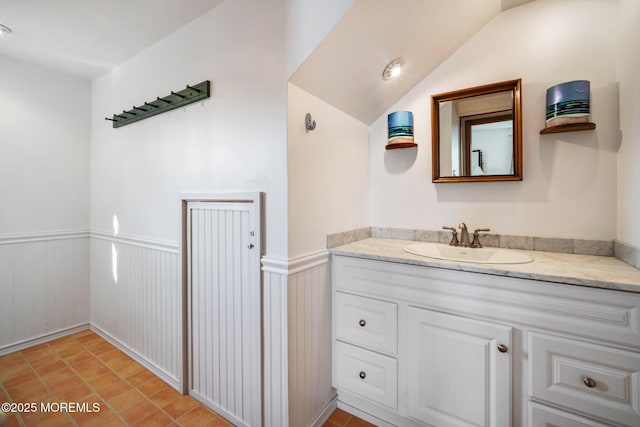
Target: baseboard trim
[
  {"x": 41, "y": 339},
  {"x": 157, "y": 371},
  {"x": 326, "y": 413}
]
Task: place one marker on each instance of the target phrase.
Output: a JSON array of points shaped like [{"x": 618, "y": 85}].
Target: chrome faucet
[{"x": 464, "y": 235}]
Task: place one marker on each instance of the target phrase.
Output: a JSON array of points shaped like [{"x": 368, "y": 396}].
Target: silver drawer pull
[
  {"x": 363, "y": 375},
  {"x": 502, "y": 348},
  {"x": 362, "y": 323},
  {"x": 590, "y": 382}
]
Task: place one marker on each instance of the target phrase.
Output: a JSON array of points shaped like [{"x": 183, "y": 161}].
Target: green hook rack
[{"x": 186, "y": 96}]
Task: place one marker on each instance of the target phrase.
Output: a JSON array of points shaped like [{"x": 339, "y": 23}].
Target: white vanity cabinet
[
  {"x": 459, "y": 370},
  {"x": 422, "y": 346}
]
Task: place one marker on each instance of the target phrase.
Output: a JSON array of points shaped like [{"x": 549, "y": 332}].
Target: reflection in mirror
[{"x": 477, "y": 134}]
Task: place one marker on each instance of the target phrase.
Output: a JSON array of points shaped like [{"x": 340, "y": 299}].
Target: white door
[
  {"x": 224, "y": 309},
  {"x": 459, "y": 370}
]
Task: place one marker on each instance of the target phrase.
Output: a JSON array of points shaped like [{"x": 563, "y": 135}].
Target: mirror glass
[{"x": 476, "y": 134}]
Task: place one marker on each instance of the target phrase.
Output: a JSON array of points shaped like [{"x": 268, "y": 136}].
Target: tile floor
[
  {"x": 84, "y": 368},
  {"x": 340, "y": 418}
]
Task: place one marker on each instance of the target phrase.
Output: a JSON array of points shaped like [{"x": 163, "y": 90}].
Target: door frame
[{"x": 258, "y": 200}]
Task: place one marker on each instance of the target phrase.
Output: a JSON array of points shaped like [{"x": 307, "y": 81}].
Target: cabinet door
[{"x": 459, "y": 370}]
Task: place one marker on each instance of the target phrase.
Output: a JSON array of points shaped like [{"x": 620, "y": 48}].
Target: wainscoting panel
[
  {"x": 276, "y": 387},
  {"x": 297, "y": 341},
  {"x": 136, "y": 299},
  {"x": 44, "y": 287},
  {"x": 309, "y": 323}
]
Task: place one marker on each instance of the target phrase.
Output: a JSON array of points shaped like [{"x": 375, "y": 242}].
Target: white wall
[
  {"x": 44, "y": 146},
  {"x": 328, "y": 173},
  {"x": 233, "y": 142},
  {"x": 44, "y": 208},
  {"x": 308, "y": 22},
  {"x": 629, "y": 154},
  {"x": 569, "y": 187}
]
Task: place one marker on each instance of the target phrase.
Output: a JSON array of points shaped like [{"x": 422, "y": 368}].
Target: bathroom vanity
[{"x": 424, "y": 342}]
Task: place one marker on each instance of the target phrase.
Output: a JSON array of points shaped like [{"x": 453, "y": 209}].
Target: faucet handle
[
  {"x": 454, "y": 236},
  {"x": 476, "y": 237}
]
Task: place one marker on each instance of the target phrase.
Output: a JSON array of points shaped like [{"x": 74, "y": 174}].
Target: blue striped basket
[
  {"x": 569, "y": 102},
  {"x": 400, "y": 125}
]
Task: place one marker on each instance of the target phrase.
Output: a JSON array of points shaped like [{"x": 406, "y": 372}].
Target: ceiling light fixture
[
  {"x": 5, "y": 30},
  {"x": 393, "y": 69}
]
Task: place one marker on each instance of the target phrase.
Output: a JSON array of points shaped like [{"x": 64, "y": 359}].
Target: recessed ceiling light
[
  {"x": 393, "y": 69},
  {"x": 5, "y": 30}
]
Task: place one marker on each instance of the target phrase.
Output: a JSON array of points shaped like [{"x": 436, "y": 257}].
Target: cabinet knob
[
  {"x": 362, "y": 323},
  {"x": 363, "y": 375},
  {"x": 502, "y": 348},
  {"x": 590, "y": 382}
]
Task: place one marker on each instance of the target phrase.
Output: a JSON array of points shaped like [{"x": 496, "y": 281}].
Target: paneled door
[
  {"x": 223, "y": 246},
  {"x": 459, "y": 370}
]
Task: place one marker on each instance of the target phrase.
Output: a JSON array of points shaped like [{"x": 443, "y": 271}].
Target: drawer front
[
  {"x": 588, "y": 378},
  {"x": 368, "y": 322},
  {"x": 368, "y": 374},
  {"x": 543, "y": 416}
]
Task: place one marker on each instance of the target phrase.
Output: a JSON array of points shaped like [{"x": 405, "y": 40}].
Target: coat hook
[
  {"x": 309, "y": 123},
  {"x": 139, "y": 109},
  {"x": 193, "y": 88},
  {"x": 162, "y": 99},
  {"x": 112, "y": 120},
  {"x": 128, "y": 112},
  {"x": 178, "y": 95},
  {"x": 150, "y": 105}
]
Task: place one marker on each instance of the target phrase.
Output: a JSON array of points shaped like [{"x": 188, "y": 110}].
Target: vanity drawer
[
  {"x": 543, "y": 416},
  {"x": 589, "y": 378},
  {"x": 366, "y": 373},
  {"x": 367, "y": 322}
]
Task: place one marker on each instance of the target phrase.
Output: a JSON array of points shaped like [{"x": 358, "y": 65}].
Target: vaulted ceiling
[
  {"x": 87, "y": 38},
  {"x": 345, "y": 70}
]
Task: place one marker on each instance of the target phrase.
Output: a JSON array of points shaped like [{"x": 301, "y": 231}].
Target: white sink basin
[{"x": 474, "y": 255}]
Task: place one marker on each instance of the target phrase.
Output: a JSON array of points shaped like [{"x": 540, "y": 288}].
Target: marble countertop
[{"x": 581, "y": 270}]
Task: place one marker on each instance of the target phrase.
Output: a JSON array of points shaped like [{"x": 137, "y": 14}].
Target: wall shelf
[
  {"x": 170, "y": 102},
  {"x": 400, "y": 145},
  {"x": 572, "y": 127}
]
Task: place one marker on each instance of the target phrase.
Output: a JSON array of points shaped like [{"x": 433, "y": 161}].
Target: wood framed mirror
[{"x": 476, "y": 134}]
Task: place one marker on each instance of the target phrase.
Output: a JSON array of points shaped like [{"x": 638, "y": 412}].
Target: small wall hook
[{"x": 309, "y": 123}]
